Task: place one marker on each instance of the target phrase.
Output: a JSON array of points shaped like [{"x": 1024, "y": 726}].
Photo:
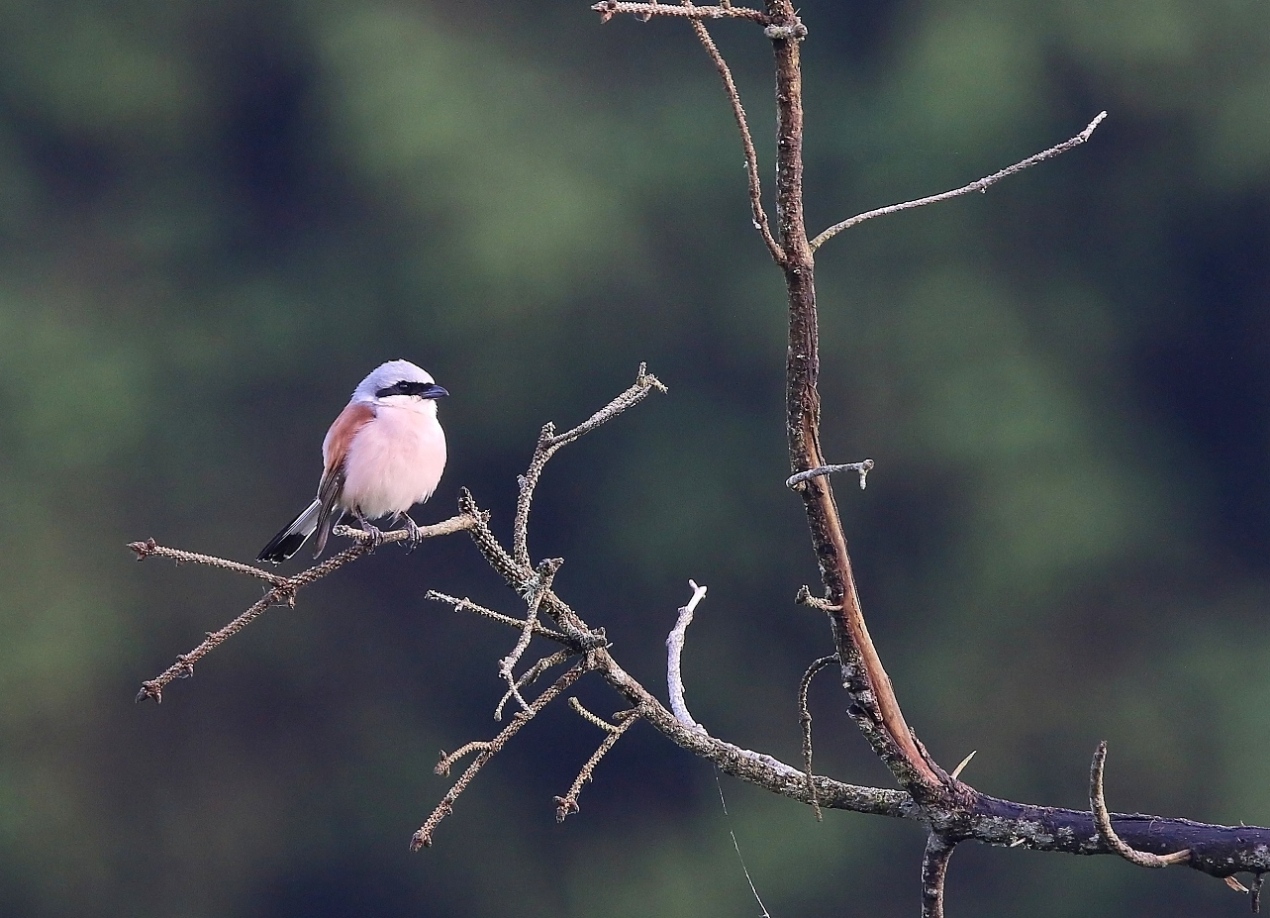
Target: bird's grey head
[{"x": 397, "y": 378}]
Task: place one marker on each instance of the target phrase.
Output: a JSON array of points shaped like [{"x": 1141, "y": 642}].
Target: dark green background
[{"x": 216, "y": 218}]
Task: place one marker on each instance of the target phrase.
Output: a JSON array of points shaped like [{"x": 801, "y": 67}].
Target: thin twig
[
  {"x": 150, "y": 548},
  {"x": 863, "y": 468},
  {"x": 568, "y": 804},
  {"x": 645, "y": 11},
  {"x": 979, "y": 185},
  {"x": 549, "y": 441},
  {"x": 594, "y": 720},
  {"x": 757, "y": 210},
  {"x": 1102, "y": 820},
  {"x": 423, "y": 837},
  {"x": 466, "y": 605},
  {"x": 804, "y": 719},
  {"x": 674, "y": 658},
  {"x": 537, "y": 590},
  {"x": 282, "y": 593},
  {"x": 736, "y": 846},
  {"x": 530, "y": 676},
  {"x": 934, "y": 875},
  {"x": 449, "y": 758}
]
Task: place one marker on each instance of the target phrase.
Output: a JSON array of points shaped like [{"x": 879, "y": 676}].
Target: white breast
[{"x": 395, "y": 461}]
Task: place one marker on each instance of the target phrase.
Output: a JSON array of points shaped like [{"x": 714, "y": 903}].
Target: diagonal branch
[
  {"x": 423, "y": 837},
  {"x": 979, "y": 185},
  {"x": 282, "y": 592}
]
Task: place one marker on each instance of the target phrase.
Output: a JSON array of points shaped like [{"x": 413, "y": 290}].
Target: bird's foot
[
  {"x": 374, "y": 536},
  {"x": 416, "y": 534}
]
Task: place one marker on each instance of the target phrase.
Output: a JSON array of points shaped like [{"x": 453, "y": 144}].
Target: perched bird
[{"x": 384, "y": 454}]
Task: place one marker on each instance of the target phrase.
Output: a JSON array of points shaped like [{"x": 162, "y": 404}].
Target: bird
[{"x": 383, "y": 454}]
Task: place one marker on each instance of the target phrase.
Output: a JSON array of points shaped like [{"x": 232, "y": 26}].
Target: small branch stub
[
  {"x": 798, "y": 481},
  {"x": 674, "y": 659}
]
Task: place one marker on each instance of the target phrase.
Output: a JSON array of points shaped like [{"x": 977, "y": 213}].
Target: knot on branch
[
  {"x": 794, "y": 31},
  {"x": 144, "y": 549}
]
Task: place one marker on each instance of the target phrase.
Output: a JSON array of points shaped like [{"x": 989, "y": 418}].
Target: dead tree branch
[
  {"x": 980, "y": 185},
  {"x": 283, "y": 591}
]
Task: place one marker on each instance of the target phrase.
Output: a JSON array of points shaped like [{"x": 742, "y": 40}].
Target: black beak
[{"x": 433, "y": 391}]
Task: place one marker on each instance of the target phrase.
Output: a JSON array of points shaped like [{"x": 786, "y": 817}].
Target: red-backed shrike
[{"x": 384, "y": 454}]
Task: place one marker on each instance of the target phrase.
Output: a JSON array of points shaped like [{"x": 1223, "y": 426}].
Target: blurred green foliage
[{"x": 215, "y": 218}]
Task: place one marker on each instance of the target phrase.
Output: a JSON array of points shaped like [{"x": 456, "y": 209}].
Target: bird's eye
[{"x": 403, "y": 387}]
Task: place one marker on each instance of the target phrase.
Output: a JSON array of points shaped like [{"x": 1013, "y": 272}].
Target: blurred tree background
[{"x": 216, "y": 218}]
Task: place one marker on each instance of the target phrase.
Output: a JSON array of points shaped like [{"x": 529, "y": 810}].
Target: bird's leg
[
  {"x": 416, "y": 534},
  {"x": 376, "y": 537}
]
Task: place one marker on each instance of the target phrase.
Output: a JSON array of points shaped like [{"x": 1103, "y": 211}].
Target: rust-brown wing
[{"x": 334, "y": 453}]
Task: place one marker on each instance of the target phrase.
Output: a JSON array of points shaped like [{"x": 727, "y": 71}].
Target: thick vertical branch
[{"x": 874, "y": 705}]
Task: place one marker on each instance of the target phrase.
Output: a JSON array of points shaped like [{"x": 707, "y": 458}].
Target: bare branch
[
  {"x": 646, "y": 11},
  {"x": 150, "y": 548},
  {"x": 804, "y": 719},
  {"x": 747, "y": 141},
  {"x": 593, "y": 719},
  {"x": 863, "y": 468},
  {"x": 1102, "y": 819},
  {"x": 423, "y": 837},
  {"x": 568, "y": 804},
  {"x": 934, "y": 875},
  {"x": 449, "y": 758},
  {"x": 980, "y": 185},
  {"x": 282, "y": 593},
  {"x": 549, "y": 442},
  {"x": 674, "y": 658},
  {"x": 466, "y": 605},
  {"x": 530, "y": 676},
  {"x": 538, "y": 589}
]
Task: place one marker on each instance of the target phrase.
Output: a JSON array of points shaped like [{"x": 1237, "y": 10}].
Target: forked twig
[
  {"x": 568, "y": 804},
  {"x": 530, "y": 676},
  {"x": 423, "y": 837},
  {"x": 979, "y": 185},
  {"x": 1102, "y": 820},
  {"x": 282, "y": 592},
  {"x": 537, "y": 590}
]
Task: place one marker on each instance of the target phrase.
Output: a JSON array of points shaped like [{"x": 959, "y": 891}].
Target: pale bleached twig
[
  {"x": 863, "y": 468},
  {"x": 674, "y": 659},
  {"x": 1102, "y": 821},
  {"x": 979, "y": 185}
]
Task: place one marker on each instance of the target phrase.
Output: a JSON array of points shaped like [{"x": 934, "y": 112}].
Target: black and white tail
[{"x": 288, "y": 541}]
